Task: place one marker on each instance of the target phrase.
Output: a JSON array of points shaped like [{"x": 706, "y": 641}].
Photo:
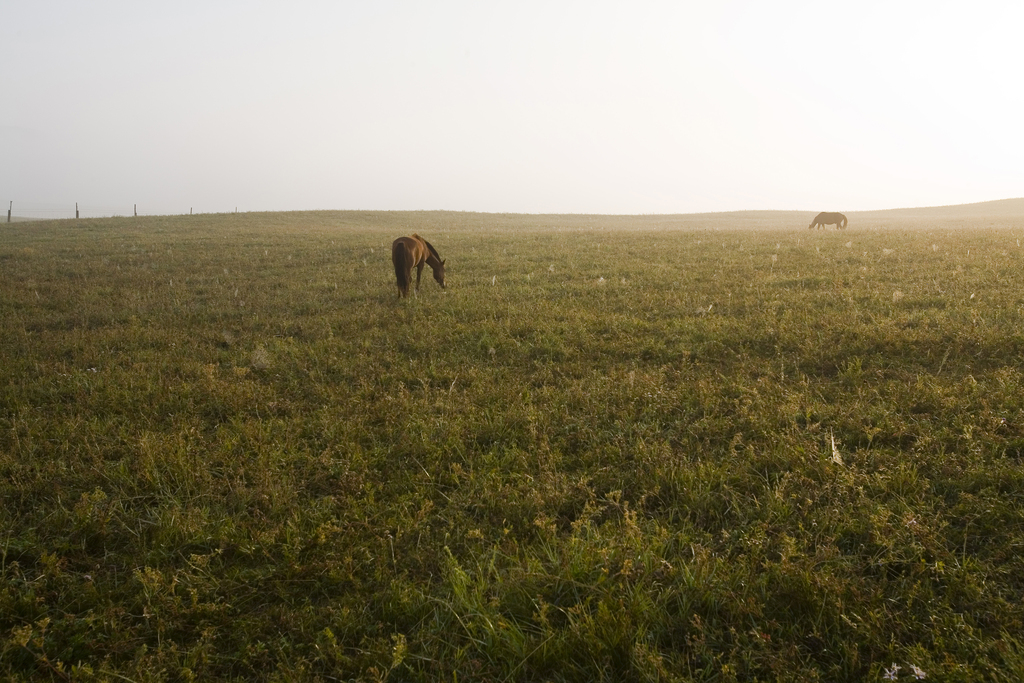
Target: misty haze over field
[{"x": 525, "y": 107}]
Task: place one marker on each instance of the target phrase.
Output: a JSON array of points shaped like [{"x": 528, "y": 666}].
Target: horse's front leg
[{"x": 419, "y": 271}]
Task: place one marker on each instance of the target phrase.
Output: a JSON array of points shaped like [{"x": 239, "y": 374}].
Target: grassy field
[{"x": 657, "y": 448}]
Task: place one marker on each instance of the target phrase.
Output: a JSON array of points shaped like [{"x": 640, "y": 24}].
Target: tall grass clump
[{"x": 616, "y": 448}]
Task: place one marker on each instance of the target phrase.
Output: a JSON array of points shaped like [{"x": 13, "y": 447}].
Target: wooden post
[
  {"x": 136, "y": 209},
  {"x": 76, "y": 210},
  {"x": 9, "y": 211}
]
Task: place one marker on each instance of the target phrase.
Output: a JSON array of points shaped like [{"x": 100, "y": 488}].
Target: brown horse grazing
[
  {"x": 407, "y": 252},
  {"x": 825, "y": 218}
]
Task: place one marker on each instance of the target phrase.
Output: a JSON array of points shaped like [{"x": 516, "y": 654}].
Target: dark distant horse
[
  {"x": 825, "y": 218},
  {"x": 409, "y": 252}
]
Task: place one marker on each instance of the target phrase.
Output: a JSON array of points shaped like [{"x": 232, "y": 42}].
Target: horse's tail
[{"x": 399, "y": 257}]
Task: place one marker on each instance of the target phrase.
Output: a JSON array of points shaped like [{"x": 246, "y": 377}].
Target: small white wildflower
[
  {"x": 600, "y": 280},
  {"x": 551, "y": 268},
  {"x": 849, "y": 244},
  {"x": 891, "y": 674},
  {"x": 896, "y": 296},
  {"x": 491, "y": 351},
  {"x": 918, "y": 672},
  {"x": 887, "y": 251},
  {"x": 935, "y": 247},
  {"x": 972, "y": 296}
]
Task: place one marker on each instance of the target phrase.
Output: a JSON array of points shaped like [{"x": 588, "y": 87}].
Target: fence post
[
  {"x": 136, "y": 209},
  {"x": 76, "y": 211},
  {"x": 9, "y": 211}
]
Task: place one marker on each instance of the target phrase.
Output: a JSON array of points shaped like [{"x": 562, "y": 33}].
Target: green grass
[{"x": 705, "y": 448}]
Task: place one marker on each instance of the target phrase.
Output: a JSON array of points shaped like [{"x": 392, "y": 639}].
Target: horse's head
[{"x": 439, "y": 274}]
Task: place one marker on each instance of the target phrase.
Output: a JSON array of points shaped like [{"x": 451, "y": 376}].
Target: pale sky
[{"x": 535, "y": 107}]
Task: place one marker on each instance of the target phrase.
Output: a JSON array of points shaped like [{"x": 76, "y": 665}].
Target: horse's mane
[{"x": 431, "y": 248}]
